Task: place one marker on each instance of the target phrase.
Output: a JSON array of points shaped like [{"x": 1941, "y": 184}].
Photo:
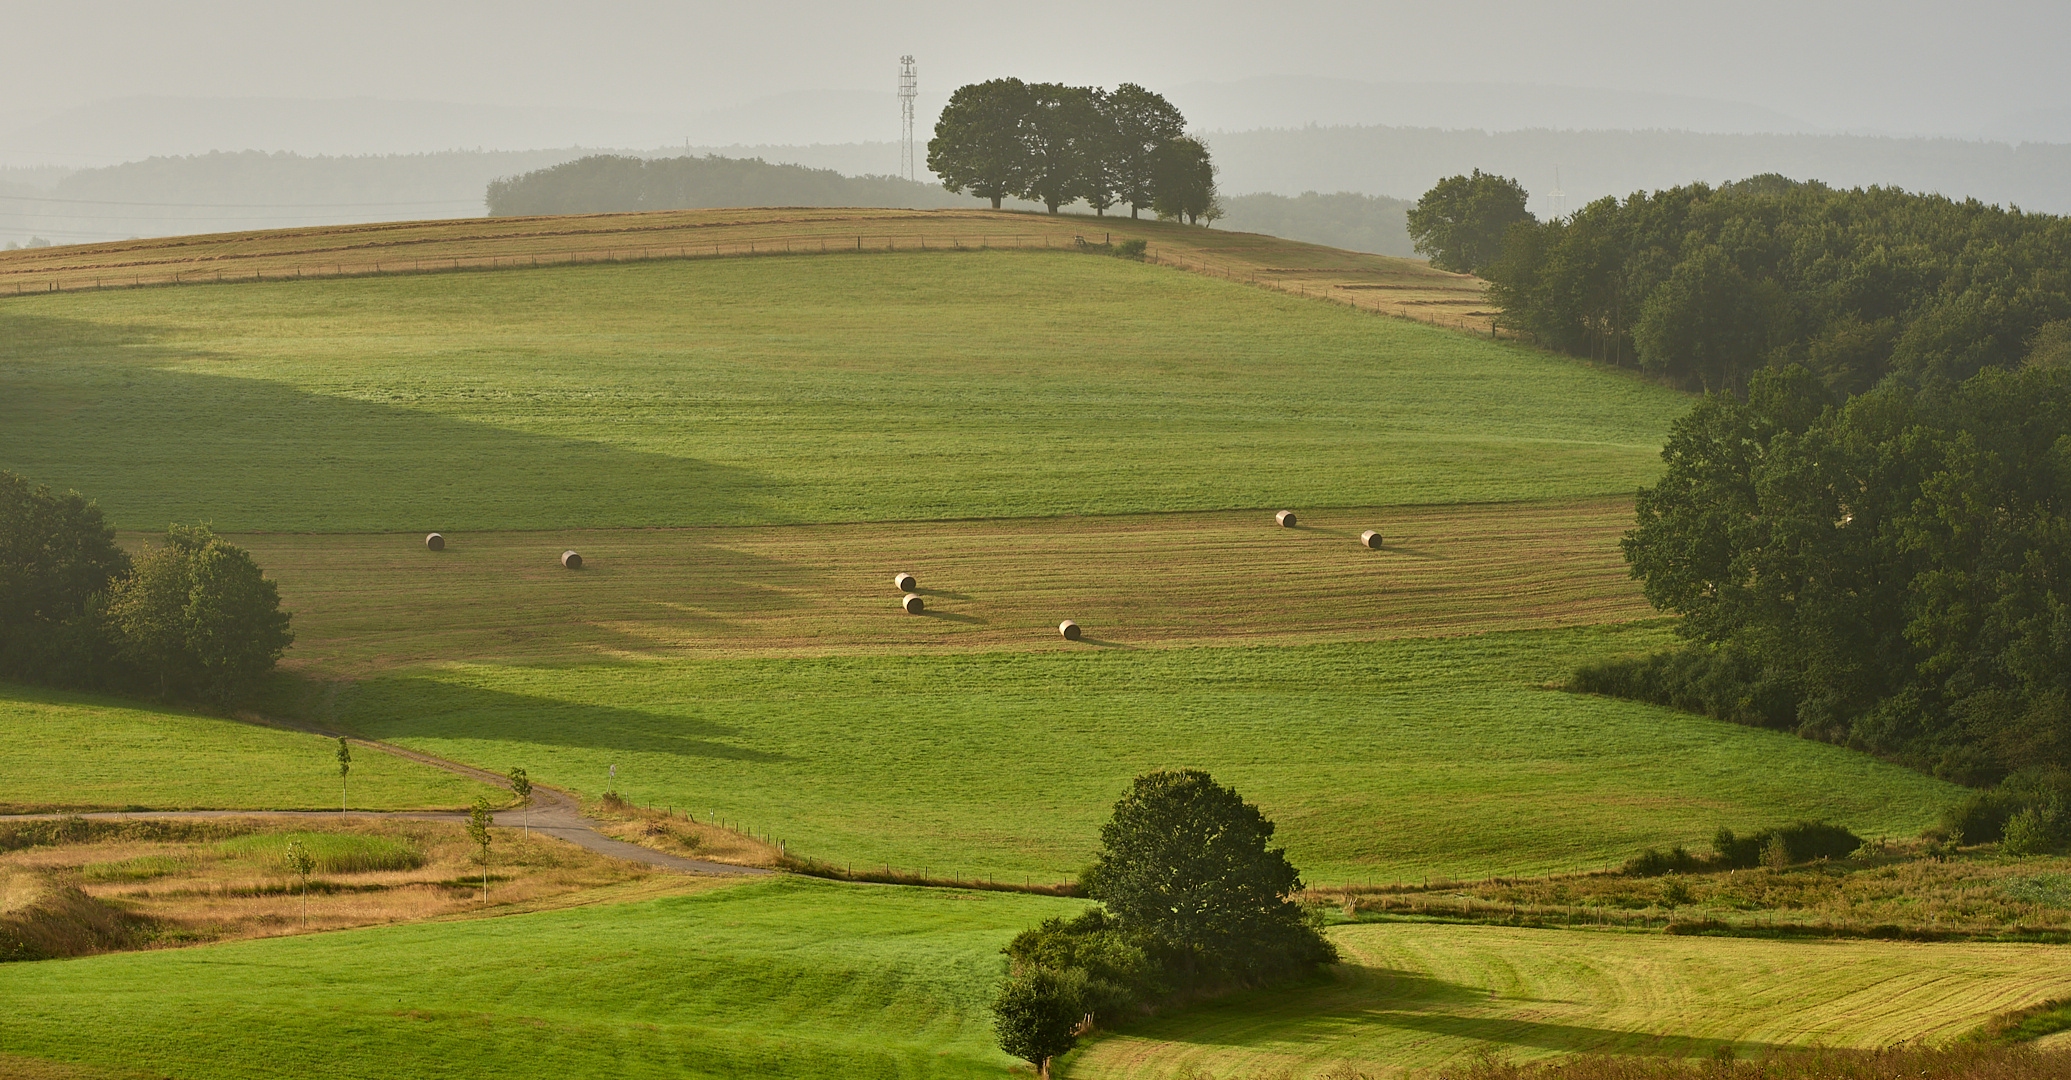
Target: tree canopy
[
  {"x": 1892, "y": 572},
  {"x": 198, "y": 619},
  {"x": 1460, "y": 223},
  {"x": 1185, "y": 860},
  {"x": 1057, "y": 144},
  {"x": 57, "y": 558},
  {"x": 1704, "y": 286}
]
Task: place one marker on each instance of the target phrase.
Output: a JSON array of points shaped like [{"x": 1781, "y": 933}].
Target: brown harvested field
[
  {"x": 1404, "y": 287},
  {"x": 370, "y": 602},
  {"x": 187, "y": 892}
]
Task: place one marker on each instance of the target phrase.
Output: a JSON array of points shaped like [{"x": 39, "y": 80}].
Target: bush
[
  {"x": 1131, "y": 249},
  {"x": 1653, "y": 863},
  {"x": 1780, "y": 847},
  {"x": 1983, "y": 816},
  {"x": 2026, "y": 833},
  {"x": 1721, "y": 684},
  {"x": 1125, "y": 972}
]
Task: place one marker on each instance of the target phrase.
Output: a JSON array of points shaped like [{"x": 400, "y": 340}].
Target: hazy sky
[{"x": 1893, "y": 66}]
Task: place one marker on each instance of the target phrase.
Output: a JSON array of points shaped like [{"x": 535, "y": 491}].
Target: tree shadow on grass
[
  {"x": 1359, "y": 999},
  {"x": 405, "y": 707},
  {"x": 152, "y": 435}
]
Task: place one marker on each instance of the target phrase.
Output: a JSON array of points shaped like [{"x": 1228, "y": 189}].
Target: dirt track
[{"x": 555, "y": 813}]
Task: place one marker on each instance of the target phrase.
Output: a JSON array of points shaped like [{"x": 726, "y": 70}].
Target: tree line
[
  {"x": 192, "y": 618},
  {"x": 1890, "y": 572},
  {"x": 1704, "y": 286},
  {"x": 1057, "y": 145},
  {"x": 618, "y": 183}
]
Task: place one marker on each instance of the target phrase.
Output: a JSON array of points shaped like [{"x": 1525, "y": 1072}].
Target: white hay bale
[
  {"x": 1371, "y": 539},
  {"x": 571, "y": 560},
  {"x": 1285, "y": 518},
  {"x": 914, "y": 605},
  {"x": 905, "y": 582},
  {"x": 435, "y": 542},
  {"x": 1070, "y": 630}
]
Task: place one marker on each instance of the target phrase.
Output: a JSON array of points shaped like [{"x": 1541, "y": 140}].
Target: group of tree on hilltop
[
  {"x": 191, "y": 618},
  {"x": 1057, "y": 144}
]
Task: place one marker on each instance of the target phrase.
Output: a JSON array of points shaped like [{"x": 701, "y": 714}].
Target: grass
[
  {"x": 793, "y": 977},
  {"x": 1403, "y": 287},
  {"x": 1886, "y": 892},
  {"x": 77, "y": 752},
  {"x": 374, "y": 602},
  {"x": 332, "y": 852},
  {"x": 1389, "y": 760},
  {"x": 1422, "y": 996},
  {"x": 785, "y": 391}
]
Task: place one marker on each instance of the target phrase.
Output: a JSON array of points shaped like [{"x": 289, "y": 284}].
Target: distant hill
[
  {"x": 1343, "y": 219},
  {"x": 617, "y": 183}
]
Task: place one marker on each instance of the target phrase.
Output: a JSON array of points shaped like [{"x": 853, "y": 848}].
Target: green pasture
[
  {"x": 1423, "y": 996},
  {"x": 781, "y": 390},
  {"x": 793, "y": 978},
  {"x": 1389, "y": 760},
  {"x": 66, "y": 751}
]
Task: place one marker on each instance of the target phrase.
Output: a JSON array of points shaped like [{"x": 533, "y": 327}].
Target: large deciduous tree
[
  {"x": 1461, "y": 221},
  {"x": 981, "y": 141},
  {"x": 1064, "y": 143},
  {"x": 198, "y": 618},
  {"x": 1186, "y": 860},
  {"x": 1140, "y": 121},
  {"x": 57, "y": 558},
  {"x": 1184, "y": 178}
]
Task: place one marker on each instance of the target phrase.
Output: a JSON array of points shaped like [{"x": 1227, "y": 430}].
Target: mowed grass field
[
  {"x": 804, "y": 978},
  {"x": 68, "y": 751},
  {"x": 771, "y": 391},
  {"x": 793, "y": 978},
  {"x": 1421, "y": 996},
  {"x": 1380, "y": 761},
  {"x": 372, "y": 602}
]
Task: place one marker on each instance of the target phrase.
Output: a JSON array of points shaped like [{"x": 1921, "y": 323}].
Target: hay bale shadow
[
  {"x": 944, "y": 594},
  {"x": 953, "y": 616},
  {"x": 1106, "y": 644}
]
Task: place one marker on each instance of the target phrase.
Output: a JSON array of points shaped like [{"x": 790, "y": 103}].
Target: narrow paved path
[{"x": 553, "y": 812}]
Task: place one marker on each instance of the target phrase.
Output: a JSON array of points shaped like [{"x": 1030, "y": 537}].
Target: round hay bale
[
  {"x": 1371, "y": 539},
  {"x": 435, "y": 542},
  {"x": 571, "y": 560},
  {"x": 905, "y": 582},
  {"x": 1070, "y": 630},
  {"x": 913, "y": 604},
  {"x": 1285, "y": 518}
]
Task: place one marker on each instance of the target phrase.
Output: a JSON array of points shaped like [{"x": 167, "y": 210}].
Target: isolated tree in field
[
  {"x": 522, "y": 786},
  {"x": 1139, "y": 122},
  {"x": 479, "y": 818},
  {"x": 198, "y": 617},
  {"x": 300, "y": 861},
  {"x": 1038, "y": 1013},
  {"x": 1184, "y": 179},
  {"x": 981, "y": 142},
  {"x": 1186, "y": 860},
  {"x": 344, "y": 767},
  {"x": 57, "y": 557},
  {"x": 1460, "y": 222}
]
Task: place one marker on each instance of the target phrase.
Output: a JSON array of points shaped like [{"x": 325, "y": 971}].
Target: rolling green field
[
  {"x": 899, "y": 387},
  {"x": 804, "y": 978},
  {"x": 1389, "y": 760},
  {"x": 81, "y": 752},
  {"x": 796, "y": 978},
  {"x": 1418, "y": 996}
]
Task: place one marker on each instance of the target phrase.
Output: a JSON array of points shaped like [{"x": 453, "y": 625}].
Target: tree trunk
[{"x": 995, "y": 202}]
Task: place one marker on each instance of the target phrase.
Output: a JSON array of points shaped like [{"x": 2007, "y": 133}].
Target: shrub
[
  {"x": 2026, "y": 833},
  {"x": 1721, "y": 684},
  {"x": 1131, "y": 249},
  {"x": 1982, "y": 816},
  {"x": 1780, "y": 847},
  {"x": 1653, "y": 863},
  {"x": 1124, "y": 971}
]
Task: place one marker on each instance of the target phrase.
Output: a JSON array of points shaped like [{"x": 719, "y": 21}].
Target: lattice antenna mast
[
  {"x": 909, "y": 88},
  {"x": 1557, "y": 200}
]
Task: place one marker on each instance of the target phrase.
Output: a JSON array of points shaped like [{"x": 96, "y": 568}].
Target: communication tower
[
  {"x": 909, "y": 88},
  {"x": 1557, "y": 200}
]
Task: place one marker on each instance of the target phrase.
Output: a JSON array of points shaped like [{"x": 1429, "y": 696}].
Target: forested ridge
[
  {"x": 1703, "y": 286},
  {"x": 618, "y": 183}
]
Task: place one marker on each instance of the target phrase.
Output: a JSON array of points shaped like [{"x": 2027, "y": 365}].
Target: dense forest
[
  {"x": 607, "y": 183},
  {"x": 1705, "y": 286}
]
